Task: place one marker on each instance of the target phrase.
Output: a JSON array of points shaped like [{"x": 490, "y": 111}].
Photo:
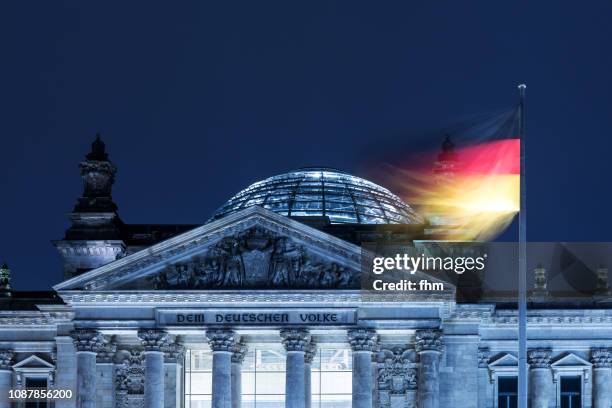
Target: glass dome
[{"x": 320, "y": 191}]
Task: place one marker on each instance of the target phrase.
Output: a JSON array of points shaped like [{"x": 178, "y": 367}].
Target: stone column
[
  {"x": 602, "y": 377},
  {"x": 173, "y": 387},
  {"x": 87, "y": 343},
  {"x": 105, "y": 373},
  {"x": 429, "y": 347},
  {"x": 65, "y": 369},
  {"x": 6, "y": 377},
  {"x": 308, "y": 357},
  {"x": 363, "y": 342},
  {"x": 540, "y": 377},
  {"x": 222, "y": 344},
  {"x": 485, "y": 397},
  {"x": 155, "y": 342},
  {"x": 296, "y": 342},
  {"x": 237, "y": 358}
]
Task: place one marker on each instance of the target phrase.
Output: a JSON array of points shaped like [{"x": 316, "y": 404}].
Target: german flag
[{"x": 471, "y": 189}]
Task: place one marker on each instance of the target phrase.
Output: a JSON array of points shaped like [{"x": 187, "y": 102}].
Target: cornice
[
  {"x": 328, "y": 298},
  {"x": 31, "y": 318}
]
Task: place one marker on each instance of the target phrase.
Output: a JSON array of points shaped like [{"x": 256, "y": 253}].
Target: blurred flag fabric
[{"x": 470, "y": 188}]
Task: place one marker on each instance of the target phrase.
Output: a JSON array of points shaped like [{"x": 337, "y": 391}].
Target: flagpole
[{"x": 522, "y": 277}]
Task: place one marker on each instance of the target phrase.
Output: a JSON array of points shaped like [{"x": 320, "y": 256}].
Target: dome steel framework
[{"x": 321, "y": 191}]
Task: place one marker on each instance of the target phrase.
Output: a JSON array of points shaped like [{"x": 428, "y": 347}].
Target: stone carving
[
  {"x": 429, "y": 340},
  {"x": 295, "y": 339},
  {"x": 311, "y": 352},
  {"x": 363, "y": 339},
  {"x": 129, "y": 378},
  {"x": 601, "y": 357},
  {"x": 89, "y": 340},
  {"x": 539, "y": 358},
  {"x": 396, "y": 370},
  {"x": 240, "y": 350},
  {"x": 255, "y": 258},
  {"x": 174, "y": 352},
  {"x": 106, "y": 352},
  {"x": 484, "y": 354},
  {"x": 154, "y": 339},
  {"x": 221, "y": 340},
  {"x": 6, "y": 359}
]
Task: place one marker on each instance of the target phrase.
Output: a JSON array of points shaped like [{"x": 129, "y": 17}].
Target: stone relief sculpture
[
  {"x": 255, "y": 258},
  {"x": 129, "y": 378},
  {"x": 397, "y": 377}
]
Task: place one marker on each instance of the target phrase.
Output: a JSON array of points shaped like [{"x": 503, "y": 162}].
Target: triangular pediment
[
  {"x": 570, "y": 360},
  {"x": 504, "y": 360},
  {"x": 33, "y": 361},
  {"x": 251, "y": 249}
]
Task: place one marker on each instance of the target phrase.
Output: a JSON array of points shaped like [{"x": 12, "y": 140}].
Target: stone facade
[{"x": 256, "y": 278}]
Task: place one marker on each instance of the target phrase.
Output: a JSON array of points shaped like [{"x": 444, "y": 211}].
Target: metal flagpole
[{"x": 522, "y": 278}]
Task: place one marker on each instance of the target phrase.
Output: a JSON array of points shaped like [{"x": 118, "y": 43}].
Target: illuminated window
[
  {"x": 507, "y": 392},
  {"x": 332, "y": 378},
  {"x": 263, "y": 379},
  {"x": 571, "y": 392},
  {"x": 198, "y": 379}
]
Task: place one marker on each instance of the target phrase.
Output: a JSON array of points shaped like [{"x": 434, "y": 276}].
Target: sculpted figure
[{"x": 234, "y": 269}]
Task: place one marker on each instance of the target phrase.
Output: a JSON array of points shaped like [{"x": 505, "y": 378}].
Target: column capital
[
  {"x": 484, "y": 353},
  {"x": 310, "y": 353},
  {"x": 174, "y": 352},
  {"x": 601, "y": 357},
  {"x": 88, "y": 340},
  {"x": 429, "y": 340},
  {"x": 239, "y": 352},
  {"x": 6, "y": 359},
  {"x": 154, "y": 339},
  {"x": 221, "y": 339},
  {"x": 106, "y": 352},
  {"x": 362, "y": 339},
  {"x": 539, "y": 358},
  {"x": 295, "y": 339}
]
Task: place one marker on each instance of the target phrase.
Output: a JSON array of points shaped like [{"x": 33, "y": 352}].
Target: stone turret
[
  {"x": 447, "y": 163},
  {"x": 98, "y": 175},
  {"x": 603, "y": 287},
  {"x": 94, "y": 237},
  {"x": 5, "y": 280}
]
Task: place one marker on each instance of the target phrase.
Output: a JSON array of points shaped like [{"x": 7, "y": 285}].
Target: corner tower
[{"x": 94, "y": 237}]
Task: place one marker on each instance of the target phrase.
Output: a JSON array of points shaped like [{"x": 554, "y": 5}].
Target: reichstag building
[{"x": 261, "y": 306}]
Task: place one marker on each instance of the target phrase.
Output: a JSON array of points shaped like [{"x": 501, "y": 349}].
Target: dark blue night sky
[{"x": 195, "y": 100}]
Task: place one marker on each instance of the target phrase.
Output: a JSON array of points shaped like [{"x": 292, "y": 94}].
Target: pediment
[
  {"x": 254, "y": 248},
  {"x": 504, "y": 360},
  {"x": 570, "y": 360},
  {"x": 33, "y": 361}
]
